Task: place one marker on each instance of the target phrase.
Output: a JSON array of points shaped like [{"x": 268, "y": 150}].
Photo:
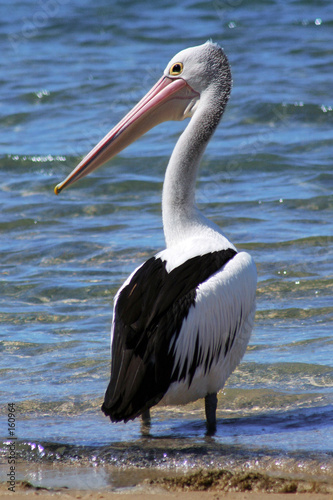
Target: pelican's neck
[{"x": 181, "y": 217}]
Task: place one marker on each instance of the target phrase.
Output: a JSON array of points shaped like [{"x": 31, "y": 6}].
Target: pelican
[{"x": 183, "y": 319}]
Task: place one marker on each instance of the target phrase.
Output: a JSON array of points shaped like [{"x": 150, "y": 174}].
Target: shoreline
[
  {"x": 48, "y": 481},
  {"x": 28, "y": 491}
]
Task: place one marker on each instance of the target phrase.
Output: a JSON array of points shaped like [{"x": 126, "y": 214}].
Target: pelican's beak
[{"x": 169, "y": 99}]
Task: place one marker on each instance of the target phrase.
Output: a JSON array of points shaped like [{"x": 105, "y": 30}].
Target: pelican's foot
[{"x": 210, "y": 409}]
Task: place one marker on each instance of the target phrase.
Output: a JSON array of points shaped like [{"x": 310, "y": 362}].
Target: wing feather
[
  {"x": 215, "y": 334},
  {"x": 148, "y": 316}
]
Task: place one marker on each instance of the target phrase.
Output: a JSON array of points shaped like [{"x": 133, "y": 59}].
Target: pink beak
[{"x": 169, "y": 99}]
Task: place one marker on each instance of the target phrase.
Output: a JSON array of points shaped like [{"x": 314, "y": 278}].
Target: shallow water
[{"x": 72, "y": 69}]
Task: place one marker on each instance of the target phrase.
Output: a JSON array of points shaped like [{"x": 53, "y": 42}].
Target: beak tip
[{"x": 57, "y": 189}]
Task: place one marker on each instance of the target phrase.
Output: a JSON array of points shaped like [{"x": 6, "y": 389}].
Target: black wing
[{"x": 149, "y": 311}]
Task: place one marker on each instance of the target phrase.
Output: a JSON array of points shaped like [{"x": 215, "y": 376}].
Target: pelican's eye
[{"x": 176, "y": 69}]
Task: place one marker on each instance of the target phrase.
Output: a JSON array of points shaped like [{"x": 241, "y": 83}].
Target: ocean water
[{"x": 71, "y": 70}]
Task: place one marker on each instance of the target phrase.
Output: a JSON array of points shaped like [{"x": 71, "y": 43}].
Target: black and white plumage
[{"x": 182, "y": 320}]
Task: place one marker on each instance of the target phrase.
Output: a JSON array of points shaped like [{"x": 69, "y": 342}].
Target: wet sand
[
  {"x": 200, "y": 485},
  {"x": 28, "y": 492}
]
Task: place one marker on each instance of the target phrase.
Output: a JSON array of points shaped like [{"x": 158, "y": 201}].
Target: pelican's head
[
  {"x": 190, "y": 77},
  {"x": 204, "y": 68}
]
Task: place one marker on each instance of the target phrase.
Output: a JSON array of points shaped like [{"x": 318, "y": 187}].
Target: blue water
[{"x": 70, "y": 71}]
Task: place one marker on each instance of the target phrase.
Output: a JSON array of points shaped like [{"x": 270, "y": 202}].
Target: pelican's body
[{"x": 183, "y": 319}]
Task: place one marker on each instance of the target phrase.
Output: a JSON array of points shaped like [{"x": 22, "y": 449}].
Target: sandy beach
[
  {"x": 202, "y": 484},
  {"x": 28, "y": 492}
]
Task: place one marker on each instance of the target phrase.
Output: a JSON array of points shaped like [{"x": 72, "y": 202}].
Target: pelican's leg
[
  {"x": 145, "y": 423},
  {"x": 210, "y": 409},
  {"x": 145, "y": 417}
]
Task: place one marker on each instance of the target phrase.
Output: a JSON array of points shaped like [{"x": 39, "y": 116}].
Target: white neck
[{"x": 181, "y": 217}]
